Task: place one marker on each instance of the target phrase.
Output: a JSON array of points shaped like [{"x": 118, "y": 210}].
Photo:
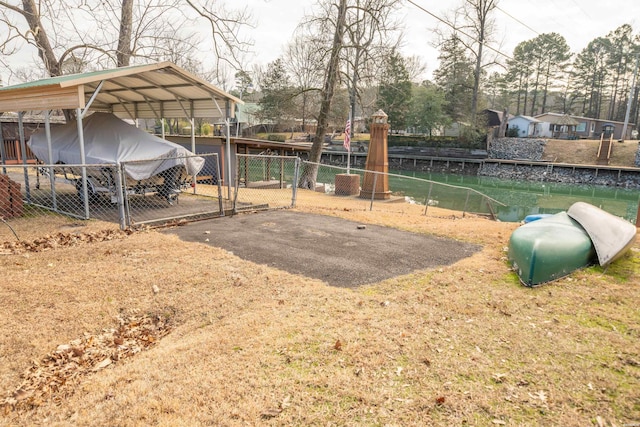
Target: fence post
[
  {"x": 294, "y": 187},
  {"x": 465, "y": 204},
  {"x": 219, "y": 181},
  {"x": 373, "y": 192},
  {"x": 127, "y": 207},
  {"x": 426, "y": 202},
  {"x": 281, "y": 172},
  {"x": 120, "y": 196},
  {"x": 491, "y": 212}
]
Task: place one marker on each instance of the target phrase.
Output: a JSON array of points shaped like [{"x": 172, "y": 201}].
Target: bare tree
[
  {"x": 308, "y": 178},
  {"x": 305, "y": 66},
  {"x": 371, "y": 35},
  {"x": 480, "y": 26},
  {"x": 105, "y": 33},
  {"x": 358, "y": 28}
]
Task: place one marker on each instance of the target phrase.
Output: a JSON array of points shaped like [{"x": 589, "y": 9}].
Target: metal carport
[{"x": 153, "y": 91}]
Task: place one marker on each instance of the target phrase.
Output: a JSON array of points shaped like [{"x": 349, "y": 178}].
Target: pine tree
[
  {"x": 394, "y": 91},
  {"x": 455, "y": 78}
]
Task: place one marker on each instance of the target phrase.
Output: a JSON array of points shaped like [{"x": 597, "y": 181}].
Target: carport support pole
[
  {"x": 85, "y": 193},
  {"x": 23, "y": 154},
  {"x": 52, "y": 176},
  {"x": 194, "y": 179}
]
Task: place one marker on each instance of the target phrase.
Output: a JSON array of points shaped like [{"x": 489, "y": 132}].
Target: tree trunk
[
  {"x": 310, "y": 171},
  {"x": 503, "y": 124},
  {"x": 123, "y": 55},
  {"x": 45, "y": 51}
]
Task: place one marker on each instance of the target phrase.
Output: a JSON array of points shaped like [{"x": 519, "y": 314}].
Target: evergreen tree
[
  {"x": 519, "y": 72},
  {"x": 620, "y": 62},
  {"x": 455, "y": 78},
  {"x": 588, "y": 77},
  {"x": 276, "y": 106},
  {"x": 394, "y": 91},
  {"x": 550, "y": 55},
  {"x": 426, "y": 112}
]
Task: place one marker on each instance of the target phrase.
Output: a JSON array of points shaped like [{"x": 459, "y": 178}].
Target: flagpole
[{"x": 347, "y": 145}]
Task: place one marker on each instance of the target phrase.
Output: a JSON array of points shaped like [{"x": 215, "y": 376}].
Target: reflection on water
[{"x": 521, "y": 198}]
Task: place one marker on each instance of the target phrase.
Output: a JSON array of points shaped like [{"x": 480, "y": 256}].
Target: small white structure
[
  {"x": 559, "y": 126},
  {"x": 527, "y": 126}
]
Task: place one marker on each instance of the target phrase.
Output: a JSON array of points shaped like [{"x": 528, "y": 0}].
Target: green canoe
[{"x": 550, "y": 248}]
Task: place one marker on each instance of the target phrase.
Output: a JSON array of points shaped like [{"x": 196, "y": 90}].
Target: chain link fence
[
  {"x": 108, "y": 192},
  {"x": 378, "y": 187},
  {"x": 171, "y": 195},
  {"x": 26, "y": 190}
]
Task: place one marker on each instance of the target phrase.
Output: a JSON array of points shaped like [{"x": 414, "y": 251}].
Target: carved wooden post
[{"x": 377, "y": 159}]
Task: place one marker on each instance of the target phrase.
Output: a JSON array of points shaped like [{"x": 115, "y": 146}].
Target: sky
[{"x": 578, "y": 21}]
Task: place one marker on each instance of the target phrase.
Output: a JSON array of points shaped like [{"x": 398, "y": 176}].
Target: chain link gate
[
  {"x": 265, "y": 182},
  {"x": 172, "y": 195}
]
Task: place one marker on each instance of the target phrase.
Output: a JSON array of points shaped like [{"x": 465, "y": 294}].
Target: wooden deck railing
[{"x": 13, "y": 153}]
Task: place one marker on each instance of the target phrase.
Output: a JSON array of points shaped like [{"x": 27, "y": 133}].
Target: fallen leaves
[
  {"x": 53, "y": 241},
  {"x": 56, "y": 374},
  {"x": 274, "y": 412}
]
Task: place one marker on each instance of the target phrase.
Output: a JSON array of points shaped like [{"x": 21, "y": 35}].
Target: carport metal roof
[{"x": 154, "y": 91}]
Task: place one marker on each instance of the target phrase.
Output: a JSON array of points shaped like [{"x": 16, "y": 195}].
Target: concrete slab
[{"x": 340, "y": 252}]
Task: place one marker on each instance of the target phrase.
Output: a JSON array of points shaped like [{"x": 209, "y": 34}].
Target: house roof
[
  {"x": 150, "y": 91},
  {"x": 527, "y": 118},
  {"x": 558, "y": 119}
]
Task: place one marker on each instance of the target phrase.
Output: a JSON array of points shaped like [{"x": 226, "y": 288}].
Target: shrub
[
  {"x": 276, "y": 137},
  {"x": 513, "y": 132}
]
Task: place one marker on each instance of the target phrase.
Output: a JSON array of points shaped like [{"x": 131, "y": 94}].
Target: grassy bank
[{"x": 202, "y": 337}]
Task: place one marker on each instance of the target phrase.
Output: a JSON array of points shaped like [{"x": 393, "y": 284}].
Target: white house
[{"x": 526, "y": 125}]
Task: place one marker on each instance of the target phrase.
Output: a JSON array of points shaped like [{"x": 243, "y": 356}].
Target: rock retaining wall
[
  {"x": 563, "y": 174},
  {"x": 517, "y": 149}
]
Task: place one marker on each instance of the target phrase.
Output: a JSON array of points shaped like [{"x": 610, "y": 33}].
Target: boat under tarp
[
  {"x": 549, "y": 248},
  {"x": 611, "y": 236}
]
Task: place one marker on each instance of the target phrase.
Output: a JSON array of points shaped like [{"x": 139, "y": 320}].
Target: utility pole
[{"x": 632, "y": 91}]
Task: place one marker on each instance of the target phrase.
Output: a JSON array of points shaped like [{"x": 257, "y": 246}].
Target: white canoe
[{"x": 611, "y": 235}]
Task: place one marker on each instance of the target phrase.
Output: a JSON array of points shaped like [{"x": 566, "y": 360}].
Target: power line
[
  {"x": 515, "y": 61},
  {"x": 459, "y": 30}
]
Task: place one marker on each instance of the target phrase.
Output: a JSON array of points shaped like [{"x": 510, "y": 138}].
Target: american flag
[{"x": 347, "y": 136}]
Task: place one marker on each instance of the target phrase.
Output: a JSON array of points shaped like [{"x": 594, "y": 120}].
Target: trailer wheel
[{"x": 91, "y": 191}]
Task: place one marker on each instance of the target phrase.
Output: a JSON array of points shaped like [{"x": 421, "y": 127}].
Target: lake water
[{"x": 521, "y": 198}]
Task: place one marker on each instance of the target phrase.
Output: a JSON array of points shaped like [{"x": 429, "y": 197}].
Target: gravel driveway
[{"x": 337, "y": 251}]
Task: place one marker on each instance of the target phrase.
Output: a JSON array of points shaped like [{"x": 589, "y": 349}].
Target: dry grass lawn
[
  {"x": 585, "y": 152},
  {"x": 144, "y": 329}
]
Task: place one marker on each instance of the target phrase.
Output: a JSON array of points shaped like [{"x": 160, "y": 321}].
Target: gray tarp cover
[{"x": 109, "y": 140}]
